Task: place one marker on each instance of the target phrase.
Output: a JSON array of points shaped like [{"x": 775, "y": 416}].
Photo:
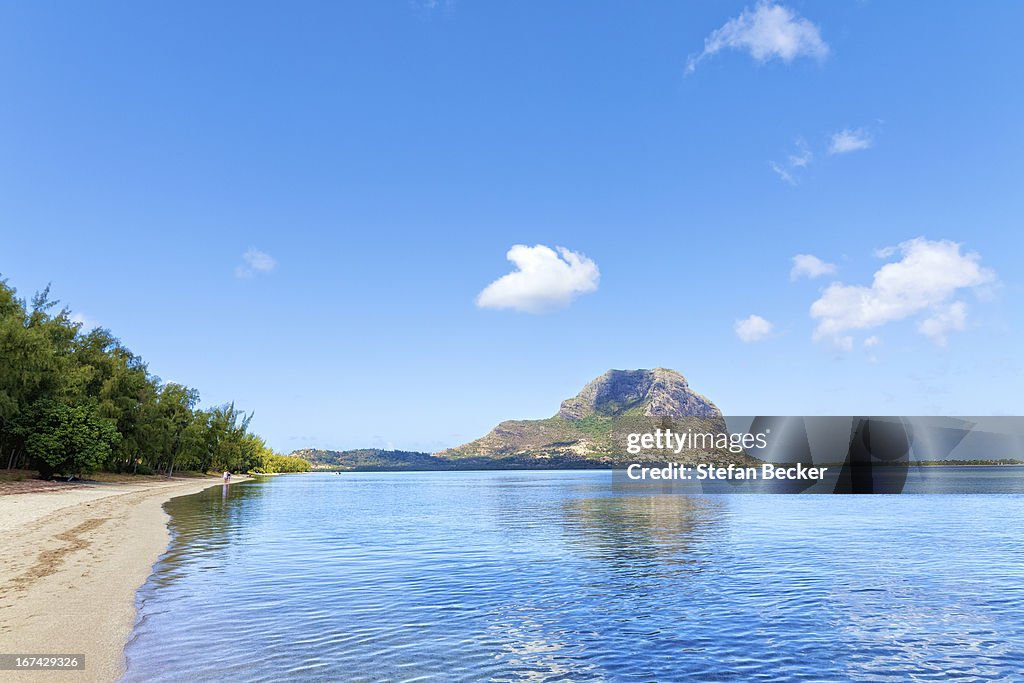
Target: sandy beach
[{"x": 71, "y": 561}]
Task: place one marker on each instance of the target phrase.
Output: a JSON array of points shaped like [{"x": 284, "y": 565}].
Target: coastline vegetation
[{"x": 75, "y": 401}]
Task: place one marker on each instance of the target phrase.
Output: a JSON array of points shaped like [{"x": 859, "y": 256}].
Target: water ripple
[{"x": 556, "y": 576}]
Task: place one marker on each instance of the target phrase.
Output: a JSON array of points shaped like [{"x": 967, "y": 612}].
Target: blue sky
[{"x": 376, "y": 161}]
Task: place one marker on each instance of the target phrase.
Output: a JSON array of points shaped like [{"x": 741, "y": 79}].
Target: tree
[
  {"x": 63, "y": 390},
  {"x": 174, "y": 414},
  {"x": 66, "y": 439}
]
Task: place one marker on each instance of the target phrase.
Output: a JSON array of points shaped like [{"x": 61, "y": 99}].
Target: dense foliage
[
  {"x": 73, "y": 401},
  {"x": 372, "y": 459}
]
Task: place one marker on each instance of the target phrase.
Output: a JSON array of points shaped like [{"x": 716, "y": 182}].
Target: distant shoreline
[{"x": 595, "y": 467}]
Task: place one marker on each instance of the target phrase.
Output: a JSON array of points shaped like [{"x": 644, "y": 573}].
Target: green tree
[
  {"x": 63, "y": 390},
  {"x": 66, "y": 439},
  {"x": 174, "y": 406}
]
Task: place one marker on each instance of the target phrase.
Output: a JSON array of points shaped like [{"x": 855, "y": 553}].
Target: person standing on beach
[{"x": 227, "y": 477}]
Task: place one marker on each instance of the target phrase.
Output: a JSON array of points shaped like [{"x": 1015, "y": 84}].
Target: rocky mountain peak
[{"x": 657, "y": 392}]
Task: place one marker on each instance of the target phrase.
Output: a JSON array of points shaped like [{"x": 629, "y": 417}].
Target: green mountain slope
[
  {"x": 592, "y": 427},
  {"x": 371, "y": 459}
]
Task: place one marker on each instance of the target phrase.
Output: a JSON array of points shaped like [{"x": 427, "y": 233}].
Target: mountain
[
  {"x": 372, "y": 459},
  {"x": 591, "y": 428},
  {"x": 658, "y": 392}
]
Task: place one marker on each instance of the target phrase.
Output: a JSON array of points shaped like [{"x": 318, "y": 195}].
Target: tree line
[{"x": 73, "y": 402}]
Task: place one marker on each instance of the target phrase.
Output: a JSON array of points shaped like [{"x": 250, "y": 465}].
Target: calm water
[{"x": 558, "y": 576}]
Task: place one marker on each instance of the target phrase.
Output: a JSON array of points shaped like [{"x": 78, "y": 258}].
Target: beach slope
[{"x": 71, "y": 561}]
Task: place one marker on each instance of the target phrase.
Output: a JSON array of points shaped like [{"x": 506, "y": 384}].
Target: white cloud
[
  {"x": 430, "y": 5},
  {"x": 872, "y": 342},
  {"x": 752, "y": 329},
  {"x": 254, "y": 262},
  {"x": 849, "y": 140},
  {"x": 803, "y": 156},
  {"x": 85, "y": 322},
  {"x": 810, "y": 266},
  {"x": 767, "y": 32},
  {"x": 783, "y": 173},
  {"x": 951, "y": 318},
  {"x": 921, "y": 282},
  {"x": 845, "y": 141},
  {"x": 543, "y": 280},
  {"x": 796, "y": 161}
]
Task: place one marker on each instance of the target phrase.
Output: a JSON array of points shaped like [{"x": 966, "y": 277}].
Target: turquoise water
[{"x": 560, "y": 576}]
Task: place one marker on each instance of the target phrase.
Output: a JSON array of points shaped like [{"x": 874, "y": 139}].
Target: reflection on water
[
  {"x": 543, "y": 576},
  {"x": 638, "y": 534}
]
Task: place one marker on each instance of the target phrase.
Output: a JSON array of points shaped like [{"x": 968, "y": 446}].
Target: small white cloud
[
  {"x": 431, "y": 5},
  {"x": 810, "y": 266},
  {"x": 84, "y": 322},
  {"x": 922, "y": 281},
  {"x": 254, "y": 262},
  {"x": 952, "y": 318},
  {"x": 872, "y": 342},
  {"x": 848, "y": 140},
  {"x": 783, "y": 173},
  {"x": 803, "y": 156},
  {"x": 845, "y": 141},
  {"x": 768, "y": 31},
  {"x": 752, "y": 329},
  {"x": 543, "y": 280},
  {"x": 795, "y": 162}
]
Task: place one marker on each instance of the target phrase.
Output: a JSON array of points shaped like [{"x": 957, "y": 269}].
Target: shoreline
[
  {"x": 71, "y": 563},
  {"x": 623, "y": 465}
]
